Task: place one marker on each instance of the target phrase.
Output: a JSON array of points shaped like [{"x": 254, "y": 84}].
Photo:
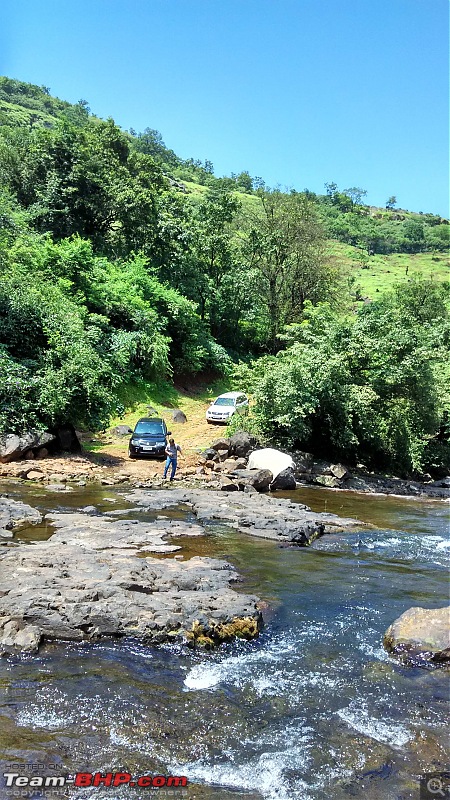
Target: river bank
[{"x": 112, "y": 468}]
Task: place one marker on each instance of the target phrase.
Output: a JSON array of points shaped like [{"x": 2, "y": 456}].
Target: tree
[
  {"x": 87, "y": 181},
  {"x": 414, "y": 236},
  {"x": 286, "y": 245},
  {"x": 244, "y": 181},
  {"x": 212, "y": 254},
  {"x": 371, "y": 387},
  {"x": 355, "y": 194},
  {"x": 391, "y": 202}
]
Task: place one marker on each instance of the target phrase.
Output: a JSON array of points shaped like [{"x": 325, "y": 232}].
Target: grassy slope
[
  {"x": 384, "y": 271},
  {"x": 191, "y": 397},
  {"x": 380, "y": 273}
]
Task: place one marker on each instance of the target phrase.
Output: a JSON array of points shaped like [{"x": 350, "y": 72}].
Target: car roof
[
  {"x": 149, "y": 419},
  {"x": 230, "y": 394}
]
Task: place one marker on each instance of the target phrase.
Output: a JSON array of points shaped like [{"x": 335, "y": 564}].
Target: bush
[{"x": 367, "y": 389}]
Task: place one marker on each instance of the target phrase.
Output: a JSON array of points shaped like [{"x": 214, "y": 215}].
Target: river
[{"x": 313, "y": 709}]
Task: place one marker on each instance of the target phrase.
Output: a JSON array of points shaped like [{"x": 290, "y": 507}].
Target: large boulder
[
  {"x": 420, "y": 635},
  {"x": 339, "y": 471},
  {"x": 221, "y": 444},
  {"x": 241, "y": 443},
  {"x": 122, "y": 430},
  {"x": 268, "y": 458},
  {"x": 260, "y": 479},
  {"x": 284, "y": 480},
  {"x": 179, "y": 416},
  {"x": 14, "y": 447}
]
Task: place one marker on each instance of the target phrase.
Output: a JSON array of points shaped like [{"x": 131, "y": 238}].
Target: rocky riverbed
[{"x": 99, "y": 575}]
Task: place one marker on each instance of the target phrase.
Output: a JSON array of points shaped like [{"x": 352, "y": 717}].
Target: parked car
[
  {"x": 149, "y": 438},
  {"x": 226, "y": 405}
]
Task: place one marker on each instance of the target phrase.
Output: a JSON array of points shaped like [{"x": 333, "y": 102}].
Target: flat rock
[
  {"x": 35, "y": 475},
  {"x": 94, "y": 578},
  {"x": 330, "y": 481},
  {"x": 420, "y": 635},
  {"x": 250, "y": 513},
  {"x": 14, "y": 514}
]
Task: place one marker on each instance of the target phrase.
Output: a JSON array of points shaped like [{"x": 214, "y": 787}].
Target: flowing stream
[{"x": 313, "y": 709}]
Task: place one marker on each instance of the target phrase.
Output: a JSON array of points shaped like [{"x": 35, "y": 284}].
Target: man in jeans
[{"x": 172, "y": 451}]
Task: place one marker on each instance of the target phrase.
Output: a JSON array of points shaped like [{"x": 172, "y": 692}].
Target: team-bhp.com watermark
[
  {"x": 431, "y": 785},
  {"x": 21, "y": 785}
]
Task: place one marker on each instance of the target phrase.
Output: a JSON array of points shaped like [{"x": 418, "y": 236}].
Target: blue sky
[{"x": 299, "y": 92}]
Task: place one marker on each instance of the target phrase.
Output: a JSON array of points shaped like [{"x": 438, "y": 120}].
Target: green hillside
[{"x": 123, "y": 265}]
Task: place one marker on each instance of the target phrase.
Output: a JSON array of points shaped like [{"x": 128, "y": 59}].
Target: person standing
[{"x": 172, "y": 451}]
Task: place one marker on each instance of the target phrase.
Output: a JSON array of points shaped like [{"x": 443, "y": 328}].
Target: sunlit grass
[{"x": 376, "y": 274}]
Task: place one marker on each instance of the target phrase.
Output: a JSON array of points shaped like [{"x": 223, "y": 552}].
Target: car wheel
[{"x": 131, "y": 455}]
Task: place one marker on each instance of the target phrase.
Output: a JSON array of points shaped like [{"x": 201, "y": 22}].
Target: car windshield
[
  {"x": 224, "y": 401},
  {"x": 149, "y": 426}
]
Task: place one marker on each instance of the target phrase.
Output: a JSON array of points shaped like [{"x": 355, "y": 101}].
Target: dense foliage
[
  {"x": 112, "y": 270},
  {"x": 75, "y": 326},
  {"x": 370, "y": 387}
]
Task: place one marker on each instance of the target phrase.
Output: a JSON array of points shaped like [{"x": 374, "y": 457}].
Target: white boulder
[{"x": 269, "y": 458}]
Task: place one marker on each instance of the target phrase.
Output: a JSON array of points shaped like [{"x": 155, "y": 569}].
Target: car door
[{"x": 241, "y": 404}]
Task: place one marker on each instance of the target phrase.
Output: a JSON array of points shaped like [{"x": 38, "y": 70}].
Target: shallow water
[{"x": 313, "y": 709}]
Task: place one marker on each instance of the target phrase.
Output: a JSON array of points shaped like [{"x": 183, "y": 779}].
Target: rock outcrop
[
  {"x": 14, "y": 514},
  {"x": 420, "y": 635},
  {"x": 254, "y": 514},
  {"x": 241, "y": 443},
  {"x": 97, "y": 575},
  {"x": 94, "y": 578},
  {"x": 13, "y": 447},
  {"x": 38, "y": 444}
]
